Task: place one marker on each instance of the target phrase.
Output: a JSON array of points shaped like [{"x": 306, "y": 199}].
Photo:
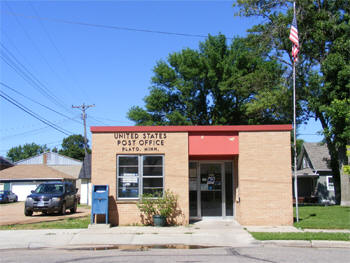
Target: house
[
  {"x": 67, "y": 166},
  {"x": 22, "y": 179},
  {"x": 4, "y": 164},
  {"x": 85, "y": 178},
  {"x": 315, "y": 180}
]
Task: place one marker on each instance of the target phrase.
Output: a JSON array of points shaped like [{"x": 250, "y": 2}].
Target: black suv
[{"x": 52, "y": 197}]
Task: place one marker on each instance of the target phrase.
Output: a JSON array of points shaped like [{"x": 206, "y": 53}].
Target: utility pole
[{"x": 83, "y": 117}]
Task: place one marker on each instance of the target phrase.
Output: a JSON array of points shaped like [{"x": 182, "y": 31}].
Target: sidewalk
[{"x": 204, "y": 233}]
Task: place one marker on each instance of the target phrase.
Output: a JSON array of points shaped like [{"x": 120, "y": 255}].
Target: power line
[
  {"x": 109, "y": 26},
  {"x": 36, "y": 116},
  {"x": 47, "y": 107},
  {"x": 57, "y": 49},
  {"x": 32, "y": 132},
  {"x": 97, "y": 118},
  {"x": 37, "y": 49},
  {"x": 29, "y": 77}
]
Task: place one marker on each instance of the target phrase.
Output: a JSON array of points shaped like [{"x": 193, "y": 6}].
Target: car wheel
[
  {"x": 63, "y": 209},
  {"x": 28, "y": 212},
  {"x": 74, "y": 209}
]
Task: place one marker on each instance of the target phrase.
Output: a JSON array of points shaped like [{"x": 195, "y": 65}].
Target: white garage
[
  {"x": 22, "y": 189},
  {"x": 22, "y": 179}
]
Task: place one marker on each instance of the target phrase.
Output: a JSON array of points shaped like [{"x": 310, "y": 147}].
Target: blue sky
[{"x": 110, "y": 68}]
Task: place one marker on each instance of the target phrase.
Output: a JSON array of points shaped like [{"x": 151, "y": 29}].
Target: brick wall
[
  {"x": 104, "y": 155},
  {"x": 264, "y": 195}
]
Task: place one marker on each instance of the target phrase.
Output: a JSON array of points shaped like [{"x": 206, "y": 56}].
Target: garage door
[{"x": 22, "y": 189}]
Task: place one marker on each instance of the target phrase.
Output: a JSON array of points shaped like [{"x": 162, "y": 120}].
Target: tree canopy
[
  {"x": 26, "y": 151},
  {"x": 216, "y": 84},
  {"x": 323, "y": 70},
  {"x": 73, "y": 146}
]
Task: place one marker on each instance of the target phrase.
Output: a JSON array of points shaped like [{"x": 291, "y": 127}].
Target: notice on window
[
  {"x": 129, "y": 179},
  {"x": 204, "y": 187},
  {"x": 211, "y": 179},
  {"x": 129, "y": 174}
]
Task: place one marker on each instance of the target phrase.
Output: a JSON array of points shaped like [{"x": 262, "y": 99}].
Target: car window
[
  {"x": 59, "y": 188},
  {"x": 49, "y": 188},
  {"x": 70, "y": 188}
]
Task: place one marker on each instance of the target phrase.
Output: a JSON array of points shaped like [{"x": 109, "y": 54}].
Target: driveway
[{"x": 13, "y": 213}]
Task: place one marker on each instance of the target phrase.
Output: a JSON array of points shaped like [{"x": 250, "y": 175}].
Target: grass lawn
[
  {"x": 67, "y": 223},
  {"x": 300, "y": 236},
  {"x": 323, "y": 217}
]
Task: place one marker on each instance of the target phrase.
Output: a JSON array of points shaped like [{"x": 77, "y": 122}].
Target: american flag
[{"x": 294, "y": 38}]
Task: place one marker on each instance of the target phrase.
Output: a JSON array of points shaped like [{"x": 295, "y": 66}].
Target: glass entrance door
[
  {"x": 211, "y": 177},
  {"x": 211, "y": 189}
]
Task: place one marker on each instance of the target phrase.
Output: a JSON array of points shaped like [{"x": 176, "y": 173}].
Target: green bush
[{"x": 157, "y": 204}]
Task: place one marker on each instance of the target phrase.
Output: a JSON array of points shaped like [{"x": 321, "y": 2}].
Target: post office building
[{"x": 241, "y": 173}]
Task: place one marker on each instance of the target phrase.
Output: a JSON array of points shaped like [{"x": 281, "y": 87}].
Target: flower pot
[{"x": 159, "y": 220}]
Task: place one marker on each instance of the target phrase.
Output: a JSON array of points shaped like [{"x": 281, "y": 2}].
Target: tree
[
  {"x": 26, "y": 151},
  {"x": 73, "y": 146},
  {"x": 54, "y": 150},
  {"x": 216, "y": 84},
  {"x": 323, "y": 76}
]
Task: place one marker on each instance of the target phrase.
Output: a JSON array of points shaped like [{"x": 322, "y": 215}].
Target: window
[
  {"x": 139, "y": 174},
  {"x": 330, "y": 183},
  {"x": 305, "y": 163}
]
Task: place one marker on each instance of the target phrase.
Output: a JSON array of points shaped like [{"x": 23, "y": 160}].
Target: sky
[{"x": 55, "y": 54}]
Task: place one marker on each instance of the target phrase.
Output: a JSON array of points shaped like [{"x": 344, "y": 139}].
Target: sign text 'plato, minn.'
[{"x": 140, "y": 141}]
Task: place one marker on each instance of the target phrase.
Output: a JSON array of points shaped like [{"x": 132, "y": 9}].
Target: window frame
[
  {"x": 330, "y": 186},
  {"x": 140, "y": 174}
]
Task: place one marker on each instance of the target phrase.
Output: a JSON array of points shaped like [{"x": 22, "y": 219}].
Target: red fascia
[
  {"x": 211, "y": 157},
  {"x": 190, "y": 129},
  {"x": 213, "y": 143}
]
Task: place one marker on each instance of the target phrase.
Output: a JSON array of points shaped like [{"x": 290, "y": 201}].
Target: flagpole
[{"x": 294, "y": 143}]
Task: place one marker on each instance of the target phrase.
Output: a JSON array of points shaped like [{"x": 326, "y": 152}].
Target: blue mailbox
[{"x": 99, "y": 202}]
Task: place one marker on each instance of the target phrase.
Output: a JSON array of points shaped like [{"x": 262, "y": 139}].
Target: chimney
[{"x": 45, "y": 159}]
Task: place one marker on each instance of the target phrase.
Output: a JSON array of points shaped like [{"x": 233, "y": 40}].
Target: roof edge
[
  {"x": 26, "y": 159},
  {"x": 214, "y": 128}
]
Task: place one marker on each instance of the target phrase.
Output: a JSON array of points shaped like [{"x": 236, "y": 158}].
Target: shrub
[{"x": 158, "y": 204}]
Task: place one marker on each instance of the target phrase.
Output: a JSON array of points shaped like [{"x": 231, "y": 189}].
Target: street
[{"x": 217, "y": 254}]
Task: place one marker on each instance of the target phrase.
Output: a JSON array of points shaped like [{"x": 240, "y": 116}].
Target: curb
[{"x": 307, "y": 244}]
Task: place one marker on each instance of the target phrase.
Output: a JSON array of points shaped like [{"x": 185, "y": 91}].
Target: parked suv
[{"x": 52, "y": 197}]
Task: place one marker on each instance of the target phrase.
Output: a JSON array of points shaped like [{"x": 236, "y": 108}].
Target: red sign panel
[{"x": 213, "y": 143}]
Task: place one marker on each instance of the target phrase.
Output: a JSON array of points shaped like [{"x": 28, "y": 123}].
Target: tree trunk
[{"x": 344, "y": 178}]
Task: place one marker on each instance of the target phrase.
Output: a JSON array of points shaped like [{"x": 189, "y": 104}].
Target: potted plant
[{"x": 157, "y": 207}]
